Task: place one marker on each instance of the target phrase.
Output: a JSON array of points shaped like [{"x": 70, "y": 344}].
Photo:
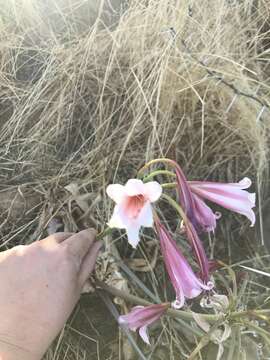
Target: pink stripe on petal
[
  {"x": 227, "y": 193},
  {"x": 242, "y": 184}
]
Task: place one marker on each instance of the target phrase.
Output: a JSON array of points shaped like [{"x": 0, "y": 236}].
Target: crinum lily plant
[{"x": 136, "y": 208}]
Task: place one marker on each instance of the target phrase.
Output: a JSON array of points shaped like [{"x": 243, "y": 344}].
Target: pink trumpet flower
[
  {"x": 140, "y": 317},
  {"x": 133, "y": 206},
  {"x": 231, "y": 196},
  {"x": 201, "y": 216},
  {"x": 199, "y": 251},
  {"x": 186, "y": 284}
]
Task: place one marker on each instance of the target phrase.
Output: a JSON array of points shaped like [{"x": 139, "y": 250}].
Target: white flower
[{"x": 133, "y": 206}]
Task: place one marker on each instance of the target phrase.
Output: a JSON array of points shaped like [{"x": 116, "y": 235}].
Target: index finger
[{"x": 56, "y": 238}]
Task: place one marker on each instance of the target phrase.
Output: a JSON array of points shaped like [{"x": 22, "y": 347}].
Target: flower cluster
[{"x": 133, "y": 210}]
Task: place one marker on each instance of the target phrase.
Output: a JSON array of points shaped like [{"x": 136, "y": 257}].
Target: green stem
[
  {"x": 232, "y": 344},
  {"x": 156, "y": 173},
  {"x": 234, "y": 284},
  {"x": 239, "y": 345},
  {"x": 178, "y": 313},
  {"x": 176, "y": 206},
  {"x": 205, "y": 339},
  {"x": 265, "y": 334},
  {"x": 185, "y": 315},
  {"x": 189, "y": 315},
  {"x": 155, "y": 161},
  {"x": 169, "y": 185},
  {"x": 263, "y": 314}
]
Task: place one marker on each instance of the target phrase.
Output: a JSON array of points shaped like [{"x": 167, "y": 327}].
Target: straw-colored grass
[{"x": 90, "y": 90}]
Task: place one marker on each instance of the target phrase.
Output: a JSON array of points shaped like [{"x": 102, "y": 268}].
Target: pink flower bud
[
  {"x": 142, "y": 316},
  {"x": 186, "y": 284}
]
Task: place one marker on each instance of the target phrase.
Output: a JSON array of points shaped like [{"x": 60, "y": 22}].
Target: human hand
[{"x": 39, "y": 286}]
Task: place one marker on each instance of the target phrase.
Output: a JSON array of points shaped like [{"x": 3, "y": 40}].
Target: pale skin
[{"x": 40, "y": 285}]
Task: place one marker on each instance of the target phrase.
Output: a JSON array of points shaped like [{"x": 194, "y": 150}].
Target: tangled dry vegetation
[{"x": 91, "y": 90}]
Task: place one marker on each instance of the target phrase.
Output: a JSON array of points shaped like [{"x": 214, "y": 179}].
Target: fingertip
[
  {"x": 79, "y": 244},
  {"x": 91, "y": 232}
]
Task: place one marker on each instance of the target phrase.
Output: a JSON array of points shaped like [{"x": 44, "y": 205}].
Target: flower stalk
[
  {"x": 193, "y": 239},
  {"x": 185, "y": 282},
  {"x": 181, "y": 314}
]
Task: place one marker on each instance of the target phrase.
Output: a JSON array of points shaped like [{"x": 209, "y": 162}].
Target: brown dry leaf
[
  {"x": 85, "y": 203},
  {"x": 107, "y": 270},
  {"x": 81, "y": 200}
]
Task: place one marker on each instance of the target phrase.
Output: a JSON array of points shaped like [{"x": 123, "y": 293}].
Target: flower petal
[
  {"x": 133, "y": 235},
  {"x": 152, "y": 190},
  {"x": 134, "y": 187},
  {"x": 118, "y": 219},
  {"x": 145, "y": 217},
  {"x": 144, "y": 335},
  {"x": 141, "y": 316},
  {"x": 205, "y": 218},
  {"x": 230, "y": 196},
  {"x": 184, "y": 280},
  {"x": 116, "y": 192},
  {"x": 123, "y": 320},
  {"x": 198, "y": 250},
  {"x": 133, "y": 206},
  {"x": 244, "y": 183}
]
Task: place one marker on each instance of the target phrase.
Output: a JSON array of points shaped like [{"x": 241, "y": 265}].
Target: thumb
[
  {"x": 89, "y": 261},
  {"x": 79, "y": 244}
]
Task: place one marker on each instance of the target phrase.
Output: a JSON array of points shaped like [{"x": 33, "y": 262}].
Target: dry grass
[{"x": 89, "y": 92}]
